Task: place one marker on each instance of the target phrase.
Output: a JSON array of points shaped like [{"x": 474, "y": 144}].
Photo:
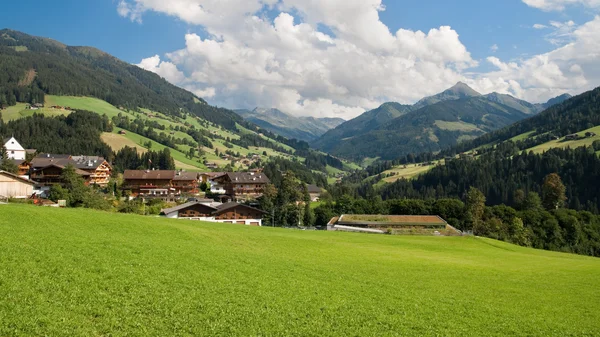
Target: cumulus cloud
[
  {"x": 167, "y": 70},
  {"x": 559, "y": 5},
  {"x": 250, "y": 59},
  {"x": 539, "y": 26},
  {"x": 570, "y": 68}
]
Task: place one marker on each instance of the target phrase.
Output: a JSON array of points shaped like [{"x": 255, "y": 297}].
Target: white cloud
[
  {"x": 494, "y": 48},
  {"x": 539, "y": 26},
  {"x": 559, "y": 5},
  {"x": 166, "y": 70},
  {"x": 248, "y": 60},
  {"x": 571, "y": 68}
]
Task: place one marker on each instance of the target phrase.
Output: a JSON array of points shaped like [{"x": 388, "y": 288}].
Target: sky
[{"x": 335, "y": 58}]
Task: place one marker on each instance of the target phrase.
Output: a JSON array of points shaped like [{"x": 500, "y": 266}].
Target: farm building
[
  {"x": 315, "y": 192},
  {"x": 572, "y": 137},
  {"x": 13, "y": 186},
  {"x": 393, "y": 224},
  {"x": 208, "y": 210}
]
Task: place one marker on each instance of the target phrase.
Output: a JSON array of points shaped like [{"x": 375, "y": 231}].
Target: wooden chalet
[
  {"x": 165, "y": 184},
  {"x": 232, "y": 213},
  {"x": 243, "y": 185},
  {"x": 47, "y": 169}
]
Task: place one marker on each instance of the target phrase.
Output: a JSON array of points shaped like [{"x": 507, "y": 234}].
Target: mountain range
[
  {"x": 302, "y": 128},
  {"x": 433, "y": 123}
]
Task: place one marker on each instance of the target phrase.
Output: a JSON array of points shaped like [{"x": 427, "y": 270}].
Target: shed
[{"x": 13, "y": 186}]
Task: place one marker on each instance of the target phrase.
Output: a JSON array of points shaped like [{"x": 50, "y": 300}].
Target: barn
[{"x": 13, "y": 186}]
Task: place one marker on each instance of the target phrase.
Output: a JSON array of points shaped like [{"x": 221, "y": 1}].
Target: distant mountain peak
[
  {"x": 464, "y": 89},
  {"x": 558, "y": 99}
]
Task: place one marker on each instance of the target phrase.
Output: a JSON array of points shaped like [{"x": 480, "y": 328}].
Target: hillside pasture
[
  {"x": 86, "y": 273},
  {"x": 562, "y": 143},
  {"x": 456, "y": 126},
  {"x": 118, "y": 142},
  {"x": 408, "y": 172}
]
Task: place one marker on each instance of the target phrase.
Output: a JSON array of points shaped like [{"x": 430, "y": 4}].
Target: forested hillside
[
  {"x": 434, "y": 123},
  {"x": 573, "y": 115},
  {"x": 31, "y": 67}
]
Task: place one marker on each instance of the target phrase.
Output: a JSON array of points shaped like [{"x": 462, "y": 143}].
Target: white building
[{"x": 14, "y": 149}]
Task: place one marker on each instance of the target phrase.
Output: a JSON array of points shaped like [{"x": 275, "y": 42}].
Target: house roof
[
  {"x": 184, "y": 206},
  {"x": 313, "y": 189},
  {"x": 78, "y": 171},
  {"x": 14, "y": 176},
  {"x": 391, "y": 219},
  {"x": 149, "y": 175},
  {"x": 247, "y": 178},
  {"x": 62, "y": 160},
  {"x": 87, "y": 162},
  {"x": 17, "y": 162},
  {"x": 185, "y": 176},
  {"x": 231, "y": 205},
  {"x": 12, "y": 144},
  {"x": 212, "y": 174}
]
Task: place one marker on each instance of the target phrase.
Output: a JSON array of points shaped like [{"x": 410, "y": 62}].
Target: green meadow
[{"x": 76, "y": 272}]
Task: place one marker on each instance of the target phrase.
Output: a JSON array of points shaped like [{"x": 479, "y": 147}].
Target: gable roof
[
  {"x": 149, "y": 175},
  {"x": 185, "y": 176},
  {"x": 61, "y": 166},
  {"x": 62, "y": 160},
  {"x": 88, "y": 162},
  {"x": 247, "y": 178},
  {"x": 184, "y": 206},
  {"x": 231, "y": 205},
  {"x": 11, "y": 144},
  {"x": 16, "y": 177},
  {"x": 314, "y": 189}
]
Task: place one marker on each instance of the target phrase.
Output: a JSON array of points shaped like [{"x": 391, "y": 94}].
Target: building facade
[
  {"x": 243, "y": 185},
  {"x": 13, "y": 186},
  {"x": 231, "y": 213},
  {"x": 14, "y": 149},
  {"x": 47, "y": 169}
]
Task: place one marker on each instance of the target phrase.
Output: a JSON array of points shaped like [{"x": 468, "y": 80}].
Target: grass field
[
  {"x": 456, "y": 126},
  {"x": 181, "y": 161},
  {"x": 561, "y": 143},
  {"x": 84, "y": 273}
]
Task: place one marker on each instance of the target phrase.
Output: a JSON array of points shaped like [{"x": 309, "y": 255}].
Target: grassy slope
[
  {"x": 102, "y": 107},
  {"x": 561, "y": 143},
  {"x": 81, "y": 272}
]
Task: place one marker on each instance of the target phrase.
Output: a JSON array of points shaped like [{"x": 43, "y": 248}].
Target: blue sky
[
  {"x": 480, "y": 23},
  {"x": 507, "y": 24}
]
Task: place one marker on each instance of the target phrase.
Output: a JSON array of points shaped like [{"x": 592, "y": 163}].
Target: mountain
[
  {"x": 436, "y": 122},
  {"x": 575, "y": 114},
  {"x": 286, "y": 125},
  {"x": 557, "y": 100},
  {"x": 429, "y": 129},
  {"x": 34, "y": 67},
  {"x": 507, "y": 163},
  {"x": 458, "y": 91}
]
